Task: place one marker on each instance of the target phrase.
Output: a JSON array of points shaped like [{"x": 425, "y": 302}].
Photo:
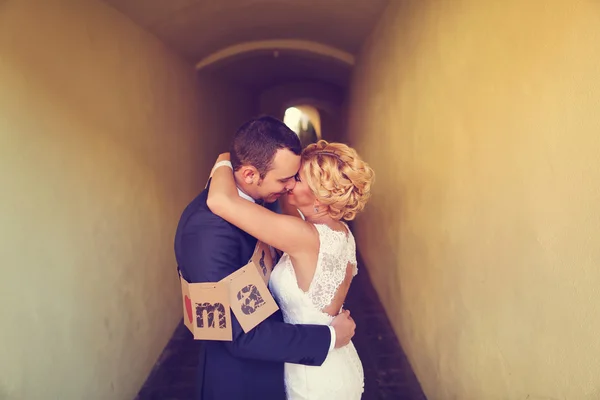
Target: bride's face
[{"x": 301, "y": 196}]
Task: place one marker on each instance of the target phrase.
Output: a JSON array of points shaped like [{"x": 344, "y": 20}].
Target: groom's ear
[{"x": 249, "y": 174}]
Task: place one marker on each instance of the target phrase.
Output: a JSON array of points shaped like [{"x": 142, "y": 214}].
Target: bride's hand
[{"x": 223, "y": 157}]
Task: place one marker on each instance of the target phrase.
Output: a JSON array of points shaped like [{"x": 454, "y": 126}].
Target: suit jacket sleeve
[{"x": 210, "y": 251}]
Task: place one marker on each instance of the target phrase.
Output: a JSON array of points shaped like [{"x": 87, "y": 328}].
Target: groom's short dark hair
[{"x": 256, "y": 142}]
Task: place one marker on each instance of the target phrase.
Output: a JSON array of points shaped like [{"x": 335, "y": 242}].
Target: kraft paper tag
[
  {"x": 206, "y": 310},
  {"x": 263, "y": 260},
  {"x": 249, "y": 297}
]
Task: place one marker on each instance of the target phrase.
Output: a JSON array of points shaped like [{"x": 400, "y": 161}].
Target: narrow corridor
[
  {"x": 388, "y": 374},
  {"x": 480, "y": 119}
]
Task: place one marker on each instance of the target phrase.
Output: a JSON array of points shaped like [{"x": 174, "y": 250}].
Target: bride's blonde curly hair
[{"x": 338, "y": 177}]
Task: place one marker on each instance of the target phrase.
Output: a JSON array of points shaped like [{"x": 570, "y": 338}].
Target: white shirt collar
[
  {"x": 245, "y": 196},
  {"x": 301, "y": 215}
]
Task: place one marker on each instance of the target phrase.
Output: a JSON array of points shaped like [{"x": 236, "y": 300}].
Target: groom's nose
[{"x": 290, "y": 185}]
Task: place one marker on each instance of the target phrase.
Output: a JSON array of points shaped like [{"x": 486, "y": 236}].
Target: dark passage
[{"x": 388, "y": 374}]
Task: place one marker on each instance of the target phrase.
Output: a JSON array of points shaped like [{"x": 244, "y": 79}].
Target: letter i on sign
[{"x": 263, "y": 260}]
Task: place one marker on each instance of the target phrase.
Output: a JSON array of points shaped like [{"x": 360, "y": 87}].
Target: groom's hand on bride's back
[{"x": 344, "y": 329}]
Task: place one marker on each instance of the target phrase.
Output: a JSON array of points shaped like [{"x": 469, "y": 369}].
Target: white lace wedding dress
[{"x": 341, "y": 376}]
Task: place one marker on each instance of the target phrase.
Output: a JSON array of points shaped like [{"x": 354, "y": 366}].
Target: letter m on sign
[
  {"x": 206, "y": 310},
  {"x": 205, "y": 315}
]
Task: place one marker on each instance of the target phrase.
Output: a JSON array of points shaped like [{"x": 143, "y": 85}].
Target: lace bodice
[
  {"x": 341, "y": 375},
  {"x": 337, "y": 250}
]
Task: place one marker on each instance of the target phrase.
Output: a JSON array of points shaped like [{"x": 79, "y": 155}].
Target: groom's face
[{"x": 281, "y": 178}]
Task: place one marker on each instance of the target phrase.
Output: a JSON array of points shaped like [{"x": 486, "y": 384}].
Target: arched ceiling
[
  {"x": 198, "y": 28},
  {"x": 263, "y": 69}
]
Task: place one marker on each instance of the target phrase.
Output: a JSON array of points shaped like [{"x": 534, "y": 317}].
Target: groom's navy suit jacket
[{"x": 208, "y": 249}]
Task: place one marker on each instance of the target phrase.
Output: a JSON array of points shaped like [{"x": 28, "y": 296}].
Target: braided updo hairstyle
[{"x": 338, "y": 177}]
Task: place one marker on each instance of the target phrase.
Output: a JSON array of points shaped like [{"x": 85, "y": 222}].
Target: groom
[{"x": 265, "y": 156}]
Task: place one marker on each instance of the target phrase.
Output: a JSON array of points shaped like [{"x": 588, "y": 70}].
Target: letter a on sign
[
  {"x": 206, "y": 310},
  {"x": 250, "y": 299}
]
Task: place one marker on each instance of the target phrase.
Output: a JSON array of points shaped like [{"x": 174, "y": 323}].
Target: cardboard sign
[
  {"x": 249, "y": 296},
  {"x": 262, "y": 258},
  {"x": 206, "y": 306},
  {"x": 206, "y": 310}
]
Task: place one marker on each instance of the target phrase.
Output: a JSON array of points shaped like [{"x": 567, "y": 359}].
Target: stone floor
[{"x": 388, "y": 374}]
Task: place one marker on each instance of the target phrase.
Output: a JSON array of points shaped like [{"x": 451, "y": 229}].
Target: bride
[{"x": 311, "y": 280}]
